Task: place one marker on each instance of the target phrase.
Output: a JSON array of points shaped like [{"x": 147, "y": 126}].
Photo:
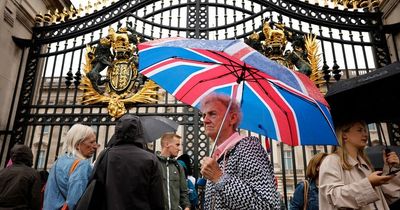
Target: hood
[
  {"x": 128, "y": 129},
  {"x": 22, "y": 154}
]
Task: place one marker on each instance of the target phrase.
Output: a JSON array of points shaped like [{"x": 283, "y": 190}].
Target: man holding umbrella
[{"x": 239, "y": 173}]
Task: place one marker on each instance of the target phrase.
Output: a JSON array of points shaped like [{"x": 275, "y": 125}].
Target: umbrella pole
[
  {"x": 387, "y": 150},
  {"x": 220, "y": 127}
]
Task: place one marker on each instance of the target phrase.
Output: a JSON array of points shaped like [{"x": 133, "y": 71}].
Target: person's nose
[
  {"x": 96, "y": 146},
  {"x": 206, "y": 119}
]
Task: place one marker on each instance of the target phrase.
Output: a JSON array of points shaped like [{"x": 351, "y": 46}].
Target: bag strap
[
  {"x": 71, "y": 170},
  {"x": 73, "y": 166},
  {"x": 305, "y": 194}
]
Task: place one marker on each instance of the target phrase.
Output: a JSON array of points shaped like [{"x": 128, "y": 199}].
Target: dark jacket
[
  {"x": 20, "y": 188},
  {"x": 131, "y": 174},
  {"x": 298, "y": 197},
  {"x": 175, "y": 189}
]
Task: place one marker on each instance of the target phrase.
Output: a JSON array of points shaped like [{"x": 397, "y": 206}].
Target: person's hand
[
  {"x": 376, "y": 178},
  {"x": 210, "y": 169},
  {"x": 187, "y": 208},
  {"x": 391, "y": 158}
]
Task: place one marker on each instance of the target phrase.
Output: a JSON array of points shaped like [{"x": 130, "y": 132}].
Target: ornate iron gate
[{"x": 49, "y": 101}]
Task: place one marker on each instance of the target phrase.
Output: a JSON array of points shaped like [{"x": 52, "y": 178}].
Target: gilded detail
[{"x": 117, "y": 54}]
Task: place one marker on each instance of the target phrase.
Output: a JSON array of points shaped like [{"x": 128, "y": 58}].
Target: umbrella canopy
[
  {"x": 275, "y": 101},
  {"x": 375, "y": 154},
  {"x": 371, "y": 97},
  {"x": 155, "y": 126},
  {"x": 144, "y": 129}
]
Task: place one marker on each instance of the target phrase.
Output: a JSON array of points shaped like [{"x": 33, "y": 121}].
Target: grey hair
[
  {"x": 75, "y": 135},
  {"x": 224, "y": 99}
]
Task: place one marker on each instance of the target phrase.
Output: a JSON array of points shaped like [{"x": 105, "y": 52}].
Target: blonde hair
[
  {"x": 75, "y": 135},
  {"x": 341, "y": 149},
  {"x": 312, "y": 167},
  {"x": 224, "y": 99},
  {"x": 167, "y": 137}
]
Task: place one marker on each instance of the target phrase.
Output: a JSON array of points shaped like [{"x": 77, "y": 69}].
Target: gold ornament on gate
[
  {"x": 303, "y": 57},
  {"x": 121, "y": 83}
]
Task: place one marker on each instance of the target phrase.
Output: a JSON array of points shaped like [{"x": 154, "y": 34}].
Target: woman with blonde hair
[
  {"x": 70, "y": 173},
  {"x": 306, "y": 193},
  {"x": 347, "y": 179}
]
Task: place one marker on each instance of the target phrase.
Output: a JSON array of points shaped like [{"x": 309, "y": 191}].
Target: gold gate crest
[{"x": 121, "y": 83}]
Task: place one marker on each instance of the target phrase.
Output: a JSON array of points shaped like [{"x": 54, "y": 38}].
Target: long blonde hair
[
  {"x": 75, "y": 135},
  {"x": 312, "y": 170},
  {"x": 341, "y": 150}
]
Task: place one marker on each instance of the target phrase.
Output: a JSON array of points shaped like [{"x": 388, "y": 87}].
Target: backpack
[{"x": 193, "y": 197}]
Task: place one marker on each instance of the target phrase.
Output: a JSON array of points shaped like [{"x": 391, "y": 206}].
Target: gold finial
[
  {"x": 71, "y": 12},
  {"x": 97, "y": 5},
  {"x": 47, "y": 17},
  {"x": 56, "y": 16},
  {"x": 39, "y": 18},
  {"x": 355, "y": 3},
  {"x": 88, "y": 7},
  {"x": 79, "y": 11},
  {"x": 254, "y": 36},
  {"x": 63, "y": 15},
  {"x": 105, "y": 2}
]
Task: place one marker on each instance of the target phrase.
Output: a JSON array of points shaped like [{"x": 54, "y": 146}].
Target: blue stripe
[
  {"x": 314, "y": 128},
  {"x": 153, "y": 56},
  {"x": 258, "y": 117},
  {"x": 171, "y": 78}
]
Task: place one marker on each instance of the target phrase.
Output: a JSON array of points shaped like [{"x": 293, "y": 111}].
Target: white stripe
[
  {"x": 303, "y": 88},
  {"x": 291, "y": 89},
  {"x": 197, "y": 101},
  {"x": 234, "y": 48},
  {"x": 207, "y": 68},
  {"x": 293, "y": 113},
  {"x": 159, "y": 69}
]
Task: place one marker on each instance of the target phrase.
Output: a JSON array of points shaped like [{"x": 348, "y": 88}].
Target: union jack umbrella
[{"x": 276, "y": 102}]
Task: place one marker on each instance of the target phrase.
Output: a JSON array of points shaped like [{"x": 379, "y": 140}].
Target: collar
[
  {"x": 359, "y": 162},
  {"x": 227, "y": 145}
]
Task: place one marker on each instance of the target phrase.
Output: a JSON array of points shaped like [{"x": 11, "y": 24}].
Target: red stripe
[
  {"x": 285, "y": 118},
  {"x": 243, "y": 52},
  {"x": 161, "y": 64},
  {"x": 195, "y": 87}
]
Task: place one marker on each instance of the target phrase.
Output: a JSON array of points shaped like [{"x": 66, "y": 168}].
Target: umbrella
[
  {"x": 371, "y": 97},
  {"x": 275, "y": 101},
  {"x": 152, "y": 127},
  {"x": 155, "y": 126},
  {"x": 375, "y": 154}
]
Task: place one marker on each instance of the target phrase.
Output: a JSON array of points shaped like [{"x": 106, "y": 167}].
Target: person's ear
[{"x": 234, "y": 118}]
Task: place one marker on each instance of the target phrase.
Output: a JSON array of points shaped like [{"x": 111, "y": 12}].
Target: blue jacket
[
  {"x": 71, "y": 186},
  {"x": 298, "y": 197}
]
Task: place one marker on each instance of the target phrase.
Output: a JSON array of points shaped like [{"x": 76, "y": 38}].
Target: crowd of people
[{"x": 239, "y": 172}]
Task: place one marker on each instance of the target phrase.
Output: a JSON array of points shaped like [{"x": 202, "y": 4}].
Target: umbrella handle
[{"x": 220, "y": 127}]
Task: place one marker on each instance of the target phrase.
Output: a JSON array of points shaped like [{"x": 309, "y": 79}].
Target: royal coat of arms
[
  {"x": 116, "y": 53},
  {"x": 303, "y": 56}
]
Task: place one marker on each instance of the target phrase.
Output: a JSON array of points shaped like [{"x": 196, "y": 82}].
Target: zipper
[{"x": 168, "y": 192}]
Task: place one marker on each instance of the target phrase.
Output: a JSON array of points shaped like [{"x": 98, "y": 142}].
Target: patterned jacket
[{"x": 247, "y": 182}]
